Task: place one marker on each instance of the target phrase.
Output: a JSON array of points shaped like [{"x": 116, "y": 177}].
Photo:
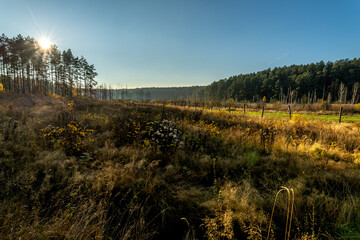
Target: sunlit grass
[
  {"x": 150, "y": 169},
  {"x": 306, "y": 116}
]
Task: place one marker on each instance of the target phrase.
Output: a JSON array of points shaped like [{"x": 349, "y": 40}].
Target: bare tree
[
  {"x": 354, "y": 92},
  {"x": 342, "y": 93},
  {"x": 292, "y": 96}
]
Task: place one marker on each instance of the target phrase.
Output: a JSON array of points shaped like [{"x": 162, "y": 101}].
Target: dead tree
[
  {"x": 354, "y": 92},
  {"x": 342, "y": 93}
]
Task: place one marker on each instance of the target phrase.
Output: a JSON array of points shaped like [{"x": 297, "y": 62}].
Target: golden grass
[{"x": 220, "y": 183}]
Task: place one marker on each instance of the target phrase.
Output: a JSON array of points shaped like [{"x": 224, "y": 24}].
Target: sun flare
[{"x": 45, "y": 42}]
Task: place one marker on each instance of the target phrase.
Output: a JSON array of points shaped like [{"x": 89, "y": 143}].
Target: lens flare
[{"x": 44, "y": 42}]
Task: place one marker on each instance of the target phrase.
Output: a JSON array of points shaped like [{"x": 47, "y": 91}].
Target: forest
[
  {"x": 332, "y": 81},
  {"x": 27, "y": 68}
]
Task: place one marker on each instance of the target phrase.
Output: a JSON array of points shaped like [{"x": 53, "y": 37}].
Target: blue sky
[{"x": 189, "y": 42}]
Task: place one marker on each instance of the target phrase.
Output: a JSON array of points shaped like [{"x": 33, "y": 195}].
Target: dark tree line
[
  {"x": 27, "y": 68},
  {"x": 332, "y": 81}
]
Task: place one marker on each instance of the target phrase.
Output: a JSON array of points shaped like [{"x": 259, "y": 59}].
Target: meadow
[
  {"x": 317, "y": 111},
  {"x": 333, "y": 117},
  {"x": 79, "y": 168}
]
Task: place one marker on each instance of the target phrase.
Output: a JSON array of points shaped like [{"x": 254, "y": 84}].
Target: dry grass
[{"x": 218, "y": 183}]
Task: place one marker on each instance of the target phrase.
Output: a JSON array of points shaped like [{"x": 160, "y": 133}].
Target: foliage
[
  {"x": 73, "y": 138},
  {"x": 130, "y": 127},
  {"x": 204, "y": 137}
]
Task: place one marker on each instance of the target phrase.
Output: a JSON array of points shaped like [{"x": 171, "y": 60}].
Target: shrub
[
  {"x": 237, "y": 205},
  {"x": 267, "y": 136},
  {"x": 205, "y": 138},
  {"x": 73, "y": 138},
  {"x": 166, "y": 136},
  {"x": 131, "y": 127}
]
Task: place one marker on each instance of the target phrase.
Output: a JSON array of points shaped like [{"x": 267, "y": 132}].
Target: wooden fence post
[
  {"x": 290, "y": 111},
  {"x": 340, "y": 114},
  {"x": 263, "y": 110}
]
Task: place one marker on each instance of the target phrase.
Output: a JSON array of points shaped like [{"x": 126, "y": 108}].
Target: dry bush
[{"x": 237, "y": 206}]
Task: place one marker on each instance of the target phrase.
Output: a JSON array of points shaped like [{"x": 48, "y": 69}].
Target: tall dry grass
[{"x": 217, "y": 181}]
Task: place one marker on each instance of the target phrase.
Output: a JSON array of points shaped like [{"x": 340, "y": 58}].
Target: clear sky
[{"x": 189, "y": 42}]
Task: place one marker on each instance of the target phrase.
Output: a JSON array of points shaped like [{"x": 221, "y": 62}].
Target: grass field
[
  {"x": 317, "y": 111},
  {"x": 88, "y": 169},
  {"x": 306, "y": 116},
  {"x": 330, "y": 116}
]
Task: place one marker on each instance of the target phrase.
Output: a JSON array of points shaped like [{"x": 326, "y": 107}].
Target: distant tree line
[
  {"x": 332, "y": 81},
  {"x": 149, "y": 93},
  {"x": 27, "y": 68}
]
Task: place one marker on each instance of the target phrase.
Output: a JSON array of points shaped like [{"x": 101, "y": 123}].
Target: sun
[{"x": 44, "y": 42}]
